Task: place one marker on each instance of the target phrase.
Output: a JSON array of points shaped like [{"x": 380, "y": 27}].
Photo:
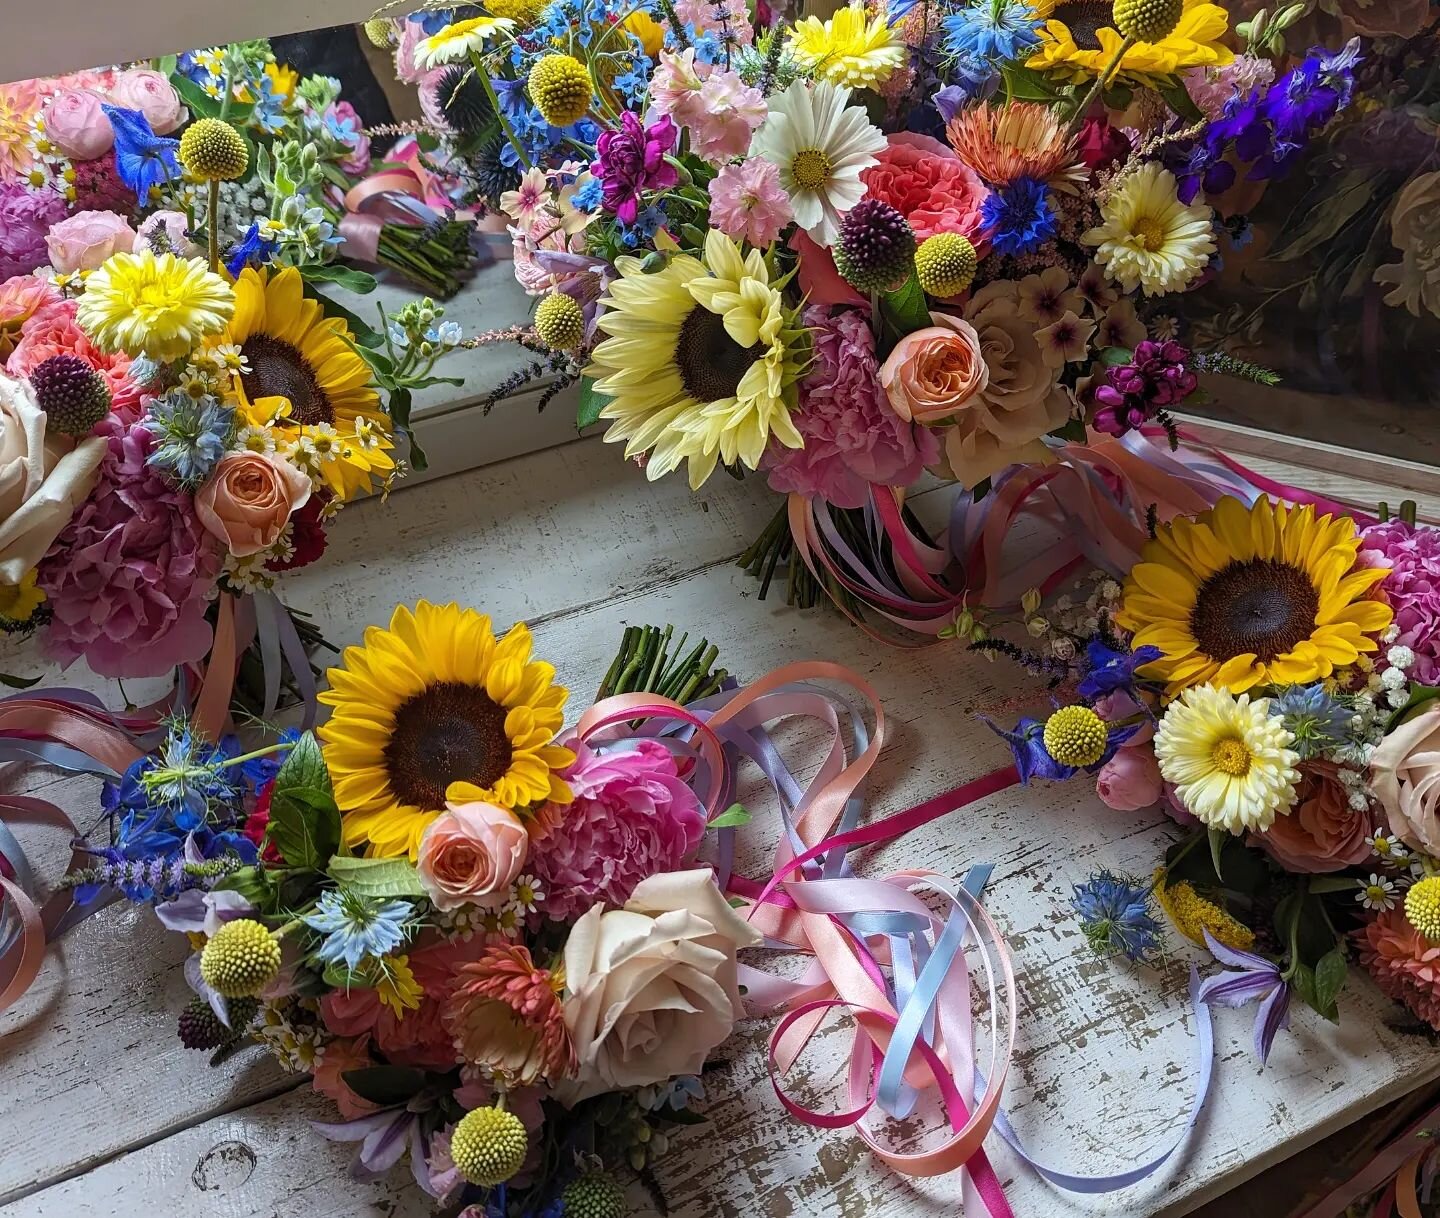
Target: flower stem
[
  {"x": 499, "y": 113},
  {"x": 212, "y": 222},
  {"x": 265, "y": 752},
  {"x": 1098, "y": 87}
]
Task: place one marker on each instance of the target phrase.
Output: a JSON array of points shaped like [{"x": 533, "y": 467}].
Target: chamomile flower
[
  {"x": 526, "y": 894},
  {"x": 255, "y": 439},
  {"x": 1377, "y": 893},
  {"x": 1388, "y": 848}
]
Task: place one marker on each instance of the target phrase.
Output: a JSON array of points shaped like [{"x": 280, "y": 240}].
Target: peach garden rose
[
  {"x": 249, "y": 498},
  {"x": 932, "y": 373},
  {"x": 471, "y": 852}
]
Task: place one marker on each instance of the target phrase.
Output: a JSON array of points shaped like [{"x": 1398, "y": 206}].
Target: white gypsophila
[{"x": 1400, "y": 657}]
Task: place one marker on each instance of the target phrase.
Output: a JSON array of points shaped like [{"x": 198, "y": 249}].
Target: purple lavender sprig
[{"x": 154, "y": 879}]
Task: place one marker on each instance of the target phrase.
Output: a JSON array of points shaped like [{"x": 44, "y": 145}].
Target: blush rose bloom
[
  {"x": 1130, "y": 780},
  {"x": 1322, "y": 832},
  {"x": 653, "y": 986},
  {"x": 75, "y": 124},
  {"x": 153, "y": 95},
  {"x": 933, "y": 372},
  {"x": 43, "y": 480},
  {"x": 248, "y": 500},
  {"x": 1405, "y": 776},
  {"x": 83, "y": 241},
  {"x": 471, "y": 852}
]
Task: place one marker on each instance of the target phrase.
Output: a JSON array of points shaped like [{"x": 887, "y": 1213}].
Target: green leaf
[
  {"x": 732, "y": 818},
  {"x": 1072, "y": 430},
  {"x": 385, "y": 1085},
  {"x": 1332, "y": 209},
  {"x": 1332, "y": 883},
  {"x": 376, "y": 877},
  {"x": 166, "y": 64},
  {"x": 1022, "y": 84},
  {"x": 1420, "y": 697},
  {"x": 1173, "y": 90},
  {"x": 252, "y": 883},
  {"x": 201, "y": 104},
  {"x": 1302, "y": 980},
  {"x": 905, "y": 309},
  {"x": 1218, "y": 840},
  {"x": 592, "y": 402},
  {"x": 1330, "y": 973},
  {"x": 362, "y": 283},
  {"x": 18, "y": 682},
  {"x": 1113, "y": 357},
  {"x": 304, "y": 819},
  {"x": 400, "y": 400}
]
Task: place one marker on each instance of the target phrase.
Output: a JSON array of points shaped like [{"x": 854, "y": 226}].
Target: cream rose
[
  {"x": 1415, "y": 232},
  {"x": 248, "y": 500},
  {"x": 470, "y": 853},
  {"x": 43, "y": 479},
  {"x": 653, "y": 986},
  {"x": 1405, "y": 776},
  {"x": 932, "y": 373}
]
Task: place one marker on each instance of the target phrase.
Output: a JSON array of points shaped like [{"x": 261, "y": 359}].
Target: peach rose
[
  {"x": 1405, "y": 776},
  {"x": 471, "y": 852},
  {"x": 153, "y": 95},
  {"x": 83, "y": 241},
  {"x": 75, "y": 124},
  {"x": 1323, "y": 832},
  {"x": 934, "y": 372},
  {"x": 248, "y": 500}
]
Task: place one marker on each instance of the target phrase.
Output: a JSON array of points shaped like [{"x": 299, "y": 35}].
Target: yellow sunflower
[
  {"x": 1240, "y": 597},
  {"x": 306, "y": 382},
  {"x": 435, "y": 708},
  {"x": 1078, "y": 41}
]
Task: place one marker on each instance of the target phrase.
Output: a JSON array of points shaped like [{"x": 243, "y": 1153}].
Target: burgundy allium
[
  {"x": 307, "y": 535},
  {"x": 99, "y": 188},
  {"x": 1157, "y": 377},
  {"x": 130, "y": 576},
  {"x": 632, "y": 159},
  {"x": 631, "y": 817},
  {"x": 1412, "y": 552},
  {"x": 1100, "y": 145},
  {"x": 25, "y": 217}
]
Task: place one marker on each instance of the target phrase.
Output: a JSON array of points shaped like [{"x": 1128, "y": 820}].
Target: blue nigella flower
[
  {"x": 1116, "y": 917},
  {"x": 1018, "y": 216},
  {"x": 1313, "y": 717},
  {"x": 191, "y": 435},
  {"x": 357, "y": 926},
  {"x": 1254, "y": 978},
  {"x": 991, "y": 30},
  {"x": 1109, "y": 671},
  {"x": 143, "y": 160}
]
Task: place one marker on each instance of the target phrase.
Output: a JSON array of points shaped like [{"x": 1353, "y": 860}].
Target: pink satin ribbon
[{"x": 393, "y": 196}]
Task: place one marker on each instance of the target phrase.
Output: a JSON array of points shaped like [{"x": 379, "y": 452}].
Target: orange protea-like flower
[
  {"x": 1014, "y": 140},
  {"x": 1403, "y": 963},
  {"x": 505, "y": 1016}
]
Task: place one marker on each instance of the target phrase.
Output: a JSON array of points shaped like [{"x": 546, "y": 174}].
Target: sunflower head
[
  {"x": 1078, "y": 39},
  {"x": 436, "y": 709},
  {"x": 1242, "y": 597}
]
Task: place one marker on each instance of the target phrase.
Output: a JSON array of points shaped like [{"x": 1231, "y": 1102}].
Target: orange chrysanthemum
[
  {"x": 505, "y": 1016},
  {"x": 1404, "y": 964},
  {"x": 1014, "y": 140}
]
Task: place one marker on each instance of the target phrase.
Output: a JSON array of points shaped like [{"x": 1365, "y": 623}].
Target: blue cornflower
[
  {"x": 357, "y": 926},
  {"x": 1254, "y": 978},
  {"x": 1018, "y": 216},
  {"x": 191, "y": 434},
  {"x": 1116, "y": 917},
  {"x": 587, "y": 197},
  {"x": 991, "y": 30},
  {"x": 1316, "y": 720},
  {"x": 253, "y": 249},
  {"x": 646, "y": 224},
  {"x": 143, "y": 160},
  {"x": 1109, "y": 671}
]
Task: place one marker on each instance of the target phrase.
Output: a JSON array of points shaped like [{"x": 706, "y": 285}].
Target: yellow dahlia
[
  {"x": 435, "y": 708},
  {"x": 1078, "y": 41},
  {"x": 307, "y": 384},
  {"x": 849, "y": 48},
  {"x": 1148, "y": 239},
  {"x": 701, "y": 362},
  {"x": 152, "y": 304},
  {"x": 1240, "y": 597}
]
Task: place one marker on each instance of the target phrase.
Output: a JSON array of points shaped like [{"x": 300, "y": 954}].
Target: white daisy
[
  {"x": 1391, "y": 849},
  {"x": 458, "y": 39},
  {"x": 1376, "y": 893},
  {"x": 820, "y": 145}
]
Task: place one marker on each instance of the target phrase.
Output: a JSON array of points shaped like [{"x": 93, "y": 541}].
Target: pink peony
[
  {"x": 1412, "y": 552},
  {"x": 131, "y": 575},
  {"x": 927, "y": 184},
  {"x": 853, "y": 438},
  {"x": 52, "y": 331},
  {"x": 632, "y": 816},
  {"x": 20, "y": 299},
  {"x": 83, "y": 241},
  {"x": 1130, "y": 780},
  {"x": 76, "y": 124},
  {"x": 747, "y": 202},
  {"x": 1404, "y": 964},
  {"x": 25, "y": 217},
  {"x": 1322, "y": 832},
  {"x": 152, "y": 94}
]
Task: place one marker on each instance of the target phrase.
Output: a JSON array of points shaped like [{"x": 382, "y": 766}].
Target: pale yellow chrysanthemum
[
  {"x": 1148, "y": 238},
  {"x": 157, "y": 305},
  {"x": 849, "y": 49}
]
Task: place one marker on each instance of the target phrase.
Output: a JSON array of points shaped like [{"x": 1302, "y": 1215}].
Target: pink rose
[
  {"x": 929, "y": 185},
  {"x": 83, "y": 241},
  {"x": 933, "y": 372},
  {"x": 248, "y": 500},
  {"x": 1405, "y": 775},
  {"x": 153, "y": 95},
  {"x": 471, "y": 852},
  {"x": 1322, "y": 832},
  {"x": 77, "y": 125},
  {"x": 1130, "y": 780}
]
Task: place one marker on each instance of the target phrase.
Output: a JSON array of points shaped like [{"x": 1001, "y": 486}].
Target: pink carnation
[
  {"x": 1412, "y": 552},
  {"x": 927, "y": 184},
  {"x": 53, "y": 331},
  {"x": 632, "y": 816},
  {"x": 130, "y": 577},
  {"x": 1404, "y": 964},
  {"x": 747, "y": 201},
  {"x": 852, "y": 436},
  {"x": 729, "y": 112},
  {"x": 25, "y": 217},
  {"x": 717, "y": 17}
]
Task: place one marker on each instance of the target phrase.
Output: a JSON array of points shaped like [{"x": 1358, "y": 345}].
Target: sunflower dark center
[
  {"x": 711, "y": 363},
  {"x": 451, "y": 732},
  {"x": 1083, "y": 18},
  {"x": 1261, "y": 606},
  {"x": 277, "y": 369}
]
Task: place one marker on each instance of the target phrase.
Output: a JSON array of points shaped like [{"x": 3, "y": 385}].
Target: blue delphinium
[
  {"x": 1018, "y": 217},
  {"x": 143, "y": 160},
  {"x": 191, "y": 434},
  {"x": 1316, "y": 720},
  {"x": 253, "y": 249},
  {"x": 1108, "y": 670},
  {"x": 991, "y": 30},
  {"x": 1115, "y": 915},
  {"x": 356, "y": 926}
]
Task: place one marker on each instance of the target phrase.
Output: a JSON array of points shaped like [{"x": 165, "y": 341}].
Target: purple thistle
[{"x": 1253, "y": 978}]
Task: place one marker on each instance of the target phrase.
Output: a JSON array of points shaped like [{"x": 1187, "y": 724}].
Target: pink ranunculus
[
  {"x": 471, "y": 852},
  {"x": 83, "y": 241},
  {"x": 933, "y": 372},
  {"x": 1130, "y": 780},
  {"x": 153, "y": 95},
  {"x": 1322, "y": 832},
  {"x": 342, "y": 1054},
  {"x": 928, "y": 184},
  {"x": 76, "y": 124}
]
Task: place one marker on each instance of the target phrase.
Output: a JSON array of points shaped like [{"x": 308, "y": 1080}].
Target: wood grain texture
[{"x": 581, "y": 545}]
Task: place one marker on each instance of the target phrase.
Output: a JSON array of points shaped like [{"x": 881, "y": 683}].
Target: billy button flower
[
  {"x": 488, "y": 1145},
  {"x": 212, "y": 151},
  {"x": 945, "y": 264},
  {"x": 1147, "y": 20},
  {"x": 593, "y": 1195},
  {"x": 560, "y": 322},
  {"x": 241, "y": 959},
  {"x": 1422, "y": 907},
  {"x": 560, "y": 88},
  {"x": 1076, "y": 736}
]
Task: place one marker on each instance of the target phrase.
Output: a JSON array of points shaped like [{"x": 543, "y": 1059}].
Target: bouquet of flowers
[{"x": 1268, "y": 675}]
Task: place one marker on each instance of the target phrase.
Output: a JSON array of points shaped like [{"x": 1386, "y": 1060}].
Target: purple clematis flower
[{"x": 1254, "y": 977}]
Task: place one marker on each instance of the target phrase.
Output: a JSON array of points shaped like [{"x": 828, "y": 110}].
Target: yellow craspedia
[
  {"x": 522, "y": 12},
  {"x": 1192, "y": 915},
  {"x": 1076, "y": 736},
  {"x": 945, "y": 264},
  {"x": 488, "y": 1146},
  {"x": 1147, "y": 20},
  {"x": 560, "y": 89},
  {"x": 1422, "y": 907},
  {"x": 240, "y": 960},
  {"x": 559, "y": 321},
  {"x": 380, "y": 33},
  {"x": 211, "y": 149}
]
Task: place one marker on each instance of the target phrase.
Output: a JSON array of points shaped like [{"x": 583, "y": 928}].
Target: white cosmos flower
[{"x": 820, "y": 145}]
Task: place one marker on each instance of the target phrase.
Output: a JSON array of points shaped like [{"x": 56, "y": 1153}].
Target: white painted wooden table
[{"x": 102, "y": 1112}]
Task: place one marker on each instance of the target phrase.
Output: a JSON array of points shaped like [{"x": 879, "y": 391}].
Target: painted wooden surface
[{"x": 103, "y": 1113}]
